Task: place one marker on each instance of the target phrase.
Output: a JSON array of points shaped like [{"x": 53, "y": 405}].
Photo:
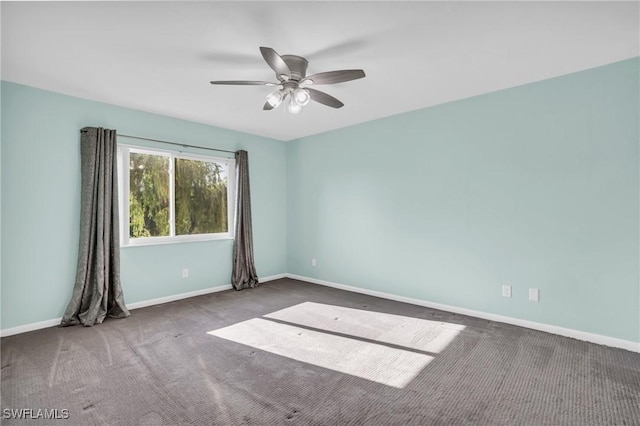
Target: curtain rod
[{"x": 184, "y": 145}]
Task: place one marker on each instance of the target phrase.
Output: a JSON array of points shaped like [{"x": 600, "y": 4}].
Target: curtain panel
[
  {"x": 244, "y": 273},
  {"x": 98, "y": 291}
]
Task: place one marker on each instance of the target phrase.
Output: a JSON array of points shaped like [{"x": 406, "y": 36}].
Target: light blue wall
[
  {"x": 41, "y": 204},
  {"x": 0, "y": 204},
  {"x": 534, "y": 186}
]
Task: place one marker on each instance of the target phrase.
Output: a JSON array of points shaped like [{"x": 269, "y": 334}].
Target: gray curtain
[
  {"x": 97, "y": 292},
  {"x": 244, "y": 269}
]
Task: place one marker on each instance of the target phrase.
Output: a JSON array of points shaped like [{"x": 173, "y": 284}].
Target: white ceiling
[{"x": 160, "y": 56}]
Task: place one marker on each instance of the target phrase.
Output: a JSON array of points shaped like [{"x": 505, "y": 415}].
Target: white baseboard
[
  {"x": 272, "y": 277},
  {"x": 174, "y": 297},
  {"x": 137, "y": 305},
  {"x": 30, "y": 327},
  {"x": 567, "y": 332}
]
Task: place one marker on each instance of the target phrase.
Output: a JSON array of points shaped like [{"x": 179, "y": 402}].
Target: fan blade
[
  {"x": 324, "y": 98},
  {"x": 276, "y": 62},
  {"x": 332, "y": 77},
  {"x": 245, "y": 83},
  {"x": 267, "y": 106}
]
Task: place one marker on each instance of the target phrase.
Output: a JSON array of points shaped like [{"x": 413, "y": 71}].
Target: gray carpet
[{"x": 295, "y": 353}]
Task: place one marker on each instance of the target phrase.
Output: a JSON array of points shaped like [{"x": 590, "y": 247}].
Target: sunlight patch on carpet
[
  {"x": 379, "y": 363},
  {"x": 409, "y": 332},
  {"x": 384, "y": 348}
]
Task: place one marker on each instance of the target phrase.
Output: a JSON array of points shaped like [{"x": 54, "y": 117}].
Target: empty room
[{"x": 320, "y": 213}]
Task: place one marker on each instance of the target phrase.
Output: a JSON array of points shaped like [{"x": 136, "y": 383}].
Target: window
[{"x": 167, "y": 196}]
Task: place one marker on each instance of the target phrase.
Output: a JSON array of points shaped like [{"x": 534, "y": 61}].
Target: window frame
[{"x": 123, "y": 153}]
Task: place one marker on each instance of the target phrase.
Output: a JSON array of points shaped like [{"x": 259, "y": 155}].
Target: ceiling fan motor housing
[{"x": 297, "y": 65}]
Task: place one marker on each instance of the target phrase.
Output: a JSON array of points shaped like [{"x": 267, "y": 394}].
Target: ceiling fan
[{"x": 293, "y": 83}]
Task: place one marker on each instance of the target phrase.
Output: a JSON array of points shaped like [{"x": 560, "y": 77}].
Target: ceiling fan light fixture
[
  {"x": 294, "y": 107},
  {"x": 291, "y": 73},
  {"x": 301, "y": 96},
  {"x": 275, "y": 98}
]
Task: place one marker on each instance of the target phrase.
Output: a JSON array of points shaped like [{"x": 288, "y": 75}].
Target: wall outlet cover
[{"x": 506, "y": 290}]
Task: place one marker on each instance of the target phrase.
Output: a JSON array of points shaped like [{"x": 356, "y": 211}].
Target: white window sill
[{"x": 173, "y": 240}]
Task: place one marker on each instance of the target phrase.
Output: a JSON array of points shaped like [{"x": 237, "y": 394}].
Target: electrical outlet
[
  {"x": 534, "y": 295},
  {"x": 506, "y": 290},
  {"x": 314, "y": 262},
  {"x": 185, "y": 273}
]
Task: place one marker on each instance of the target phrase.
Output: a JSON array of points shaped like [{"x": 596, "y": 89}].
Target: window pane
[
  {"x": 201, "y": 197},
  {"x": 148, "y": 195}
]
